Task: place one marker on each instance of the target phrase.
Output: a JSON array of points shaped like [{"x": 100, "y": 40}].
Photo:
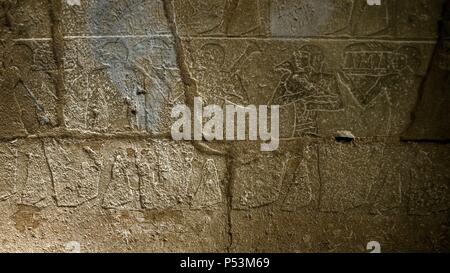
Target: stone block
[
  {"x": 269, "y": 230},
  {"x": 384, "y": 178},
  {"x": 28, "y": 89},
  {"x": 223, "y": 18},
  {"x": 114, "y": 18},
  {"x": 346, "y": 18},
  {"x": 121, "y": 84},
  {"x": 287, "y": 178}
]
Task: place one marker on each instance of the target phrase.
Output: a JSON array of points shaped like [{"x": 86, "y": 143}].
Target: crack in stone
[
  {"x": 190, "y": 84},
  {"x": 56, "y": 16},
  {"x": 191, "y": 91}
]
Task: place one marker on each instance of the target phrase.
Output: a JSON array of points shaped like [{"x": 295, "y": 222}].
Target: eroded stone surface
[
  {"x": 355, "y": 18},
  {"x": 384, "y": 178},
  {"x": 271, "y": 230},
  {"x": 164, "y": 175},
  {"x": 25, "y": 19},
  {"x": 287, "y": 178},
  {"x": 121, "y": 84},
  {"x": 75, "y": 170},
  {"x": 37, "y": 185},
  {"x": 368, "y": 89},
  {"x": 430, "y": 176},
  {"x": 57, "y": 191},
  {"x": 86, "y": 90},
  {"x": 393, "y": 187},
  {"x": 431, "y": 113},
  {"x": 222, "y": 17},
  {"x": 113, "y": 18},
  {"x": 8, "y": 173},
  {"x": 27, "y": 88},
  {"x": 98, "y": 230}
]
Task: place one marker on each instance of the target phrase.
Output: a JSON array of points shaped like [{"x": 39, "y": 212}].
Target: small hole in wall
[{"x": 344, "y": 137}]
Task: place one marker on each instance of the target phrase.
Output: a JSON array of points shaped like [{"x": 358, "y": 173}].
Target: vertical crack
[
  {"x": 190, "y": 84},
  {"x": 190, "y": 92},
  {"x": 55, "y": 7}
]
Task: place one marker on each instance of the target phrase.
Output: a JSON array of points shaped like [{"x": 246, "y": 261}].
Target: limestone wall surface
[{"x": 86, "y": 155}]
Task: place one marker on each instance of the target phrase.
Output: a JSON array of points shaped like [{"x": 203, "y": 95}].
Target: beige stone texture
[{"x": 87, "y": 157}]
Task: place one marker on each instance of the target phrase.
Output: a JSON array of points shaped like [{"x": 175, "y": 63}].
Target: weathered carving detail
[
  {"x": 131, "y": 84},
  {"x": 125, "y": 181},
  {"x": 308, "y": 87},
  {"x": 371, "y": 68},
  {"x": 222, "y": 17},
  {"x": 167, "y": 173},
  {"x": 258, "y": 180},
  {"x": 383, "y": 19},
  {"x": 37, "y": 190},
  {"x": 300, "y": 192},
  {"x": 309, "y": 17},
  {"x": 75, "y": 172},
  {"x": 125, "y": 17},
  {"x": 162, "y": 176},
  {"x": 429, "y": 191},
  {"x": 8, "y": 171},
  {"x": 27, "y": 18},
  {"x": 208, "y": 192},
  {"x": 27, "y": 87}
]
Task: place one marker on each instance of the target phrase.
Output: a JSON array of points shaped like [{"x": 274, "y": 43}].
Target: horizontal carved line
[{"x": 279, "y": 38}]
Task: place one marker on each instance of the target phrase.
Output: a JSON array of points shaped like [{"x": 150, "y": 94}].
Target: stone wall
[{"x": 86, "y": 155}]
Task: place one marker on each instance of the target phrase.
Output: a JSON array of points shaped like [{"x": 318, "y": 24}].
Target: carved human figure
[
  {"x": 300, "y": 192},
  {"x": 76, "y": 172},
  {"x": 36, "y": 190},
  {"x": 208, "y": 192},
  {"x": 305, "y": 85},
  {"x": 124, "y": 187},
  {"x": 18, "y": 91}
]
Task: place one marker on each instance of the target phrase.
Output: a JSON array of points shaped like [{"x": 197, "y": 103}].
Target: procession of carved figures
[{"x": 158, "y": 177}]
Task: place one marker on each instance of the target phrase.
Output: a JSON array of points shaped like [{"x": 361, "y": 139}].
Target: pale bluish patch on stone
[{"x": 139, "y": 57}]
